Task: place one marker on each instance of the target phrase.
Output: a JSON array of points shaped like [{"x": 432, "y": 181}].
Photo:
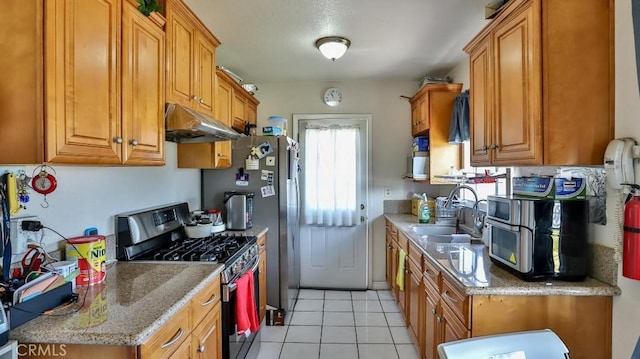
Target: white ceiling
[{"x": 273, "y": 40}]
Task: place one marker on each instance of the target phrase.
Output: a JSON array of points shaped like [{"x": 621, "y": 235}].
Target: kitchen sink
[
  {"x": 447, "y": 238},
  {"x": 430, "y": 229}
]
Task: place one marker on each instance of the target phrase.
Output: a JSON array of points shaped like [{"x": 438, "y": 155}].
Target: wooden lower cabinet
[
  {"x": 437, "y": 310},
  {"x": 262, "y": 310},
  {"x": 207, "y": 336},
  {"x": 194, "y": 332}
]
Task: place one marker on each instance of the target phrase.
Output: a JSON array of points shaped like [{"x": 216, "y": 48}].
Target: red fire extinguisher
[{"x": 631, "y": 246}]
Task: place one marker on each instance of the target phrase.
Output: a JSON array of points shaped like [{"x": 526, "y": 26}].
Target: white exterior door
[{"x": 336, "y": 256}]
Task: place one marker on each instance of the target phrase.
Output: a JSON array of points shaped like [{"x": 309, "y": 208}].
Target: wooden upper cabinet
[
  {"x": 252, "y": 111},
  {"x": 205, "y": 74},
  {"x": 191, "y": 59},
  {"x": 142, "y": 88},
  {"x": 517, "y": 123},
  {"x": 180, "y": 40},
  {"x": 480, "y": 103},
  {"x": 101, "y": 65},
  {"x": 21, "y": 103},
  {"x": 239, "y": 111},
  {"x": 82, "y": 77},
  {"x": 431, "y": 110},
  {"x": 529, "y": 91}
]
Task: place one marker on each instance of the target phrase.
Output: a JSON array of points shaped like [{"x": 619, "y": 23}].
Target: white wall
[
  {"x": 91, "y": 196},
  {"x": 391, "y": 135},
  {"x": 626, "y": 315}
]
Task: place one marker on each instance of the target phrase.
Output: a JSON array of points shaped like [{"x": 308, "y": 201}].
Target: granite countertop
[
  {"x": 134, "y": 301},
  {"x": 470, "y": 266}
]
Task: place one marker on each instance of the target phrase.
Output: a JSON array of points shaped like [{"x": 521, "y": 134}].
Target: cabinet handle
[
  {"x": 201, "y": 101},
  {"x": 448, "y": 296},
  {"x": 438, "y": 319},
  {"x": 201, "y": 349},
  {"x": 134, "y": 142},
  {"x": 494, "y": 147},
  {"x": 211, "y": 300},
  {"x": 433, "y": 311},
  {"x": 484, "y": 148},
  {"x": 173, "y": 340},
  {"x": 194, "y": 97},
  {"x": 428, "y": 272},
  {"x": 117, "y": 139},
  {"x": 219, "y": 154},
  {"x": 389, "y": 246}
]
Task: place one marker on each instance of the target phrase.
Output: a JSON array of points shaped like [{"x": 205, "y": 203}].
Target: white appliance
[{"x": 535, "y": 344}]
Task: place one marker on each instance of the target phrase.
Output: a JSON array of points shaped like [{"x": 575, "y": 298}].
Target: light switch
[{"x": 271, "y": 161}]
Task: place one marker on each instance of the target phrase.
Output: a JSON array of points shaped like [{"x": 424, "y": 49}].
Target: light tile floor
[{"x": 340, "y": 325}]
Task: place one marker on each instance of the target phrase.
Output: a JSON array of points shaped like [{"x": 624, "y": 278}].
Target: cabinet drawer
[
  {"x": 204, "y": 301},
  {"x": 415, "y": 254},
  {"x": 454, "y": 328},
  {"x": 169, "y": 337},
  {"x": 431, "y": 273},
  {"x": 403, "y": 242},
  {"x": 457, "y": 300}
]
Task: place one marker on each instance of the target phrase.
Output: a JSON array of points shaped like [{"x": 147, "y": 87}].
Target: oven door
[
  {"x": 236, "y": 346},
  {"x": 510, "y": 245}
]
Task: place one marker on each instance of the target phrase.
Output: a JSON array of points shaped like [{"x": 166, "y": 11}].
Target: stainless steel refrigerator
[{"x": 275, "y": 205}]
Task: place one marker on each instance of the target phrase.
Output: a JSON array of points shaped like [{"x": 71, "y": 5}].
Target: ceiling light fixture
[{"x": 333, "y": 47}]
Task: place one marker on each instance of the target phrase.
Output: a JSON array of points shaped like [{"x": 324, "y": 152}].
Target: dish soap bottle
[{"x": 424, "y": 213}]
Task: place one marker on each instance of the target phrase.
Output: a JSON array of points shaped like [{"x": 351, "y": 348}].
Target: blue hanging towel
[{"x": 459, "y": 126}]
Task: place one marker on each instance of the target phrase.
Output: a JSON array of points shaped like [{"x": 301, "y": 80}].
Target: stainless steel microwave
[{"x": 539, "y": 238}]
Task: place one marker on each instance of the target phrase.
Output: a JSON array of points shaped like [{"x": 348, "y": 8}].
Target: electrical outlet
[
  {"x": 387, "y": 191},
  {"x": 19, "y": 237}
]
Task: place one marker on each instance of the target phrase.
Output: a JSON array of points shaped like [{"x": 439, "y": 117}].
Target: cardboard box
[
  {"x": 420, "y": 144},
  {"x": 538, "y": 187},
  {"x": 573, "y": 188}
]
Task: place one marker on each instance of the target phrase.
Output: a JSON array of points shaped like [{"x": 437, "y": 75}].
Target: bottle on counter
[{"x": 424, "y": 212}]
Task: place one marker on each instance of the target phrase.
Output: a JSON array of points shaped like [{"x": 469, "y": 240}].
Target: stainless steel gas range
[{"x": 156, "y": 234}]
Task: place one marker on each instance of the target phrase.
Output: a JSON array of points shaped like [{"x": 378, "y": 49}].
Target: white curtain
[{"x": 330, "y": 175}]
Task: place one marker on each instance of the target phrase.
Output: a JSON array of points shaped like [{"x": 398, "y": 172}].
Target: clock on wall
[{"x": 332, "y": 97}]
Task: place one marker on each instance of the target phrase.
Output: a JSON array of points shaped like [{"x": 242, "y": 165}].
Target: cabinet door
[
  {"x": 142, "y": 88},
  {"x": 394, "y": 270},
  {"x": 413, "y": 304},
  {"x": 263, "y": 283},
  {"x": 82, "y": 77},
  {"x": 180, "y": 40},
  {"x": 423, "y": 122},
  {"x": 517, "y": 121},
  {"x": 452, "y": 328},
  {"x": 183, "y": 351},
  {"x": 480, "y": 103},
  {"x": 222, "y": 149},
  {"x": 206, "y": 337},
  {"x": 415, "y": 118},
  {"x": 431, "y": 325},
  {"x": 252, "y": 112},
  {"x": 205, "y": 64},
  {"x": 389, "y": 261},
  {"x": 22, "y": 106},
  {"x": 239, "y": 111}
]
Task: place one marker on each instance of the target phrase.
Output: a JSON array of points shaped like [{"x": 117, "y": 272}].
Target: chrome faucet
[{"x": 478, "y": 222}]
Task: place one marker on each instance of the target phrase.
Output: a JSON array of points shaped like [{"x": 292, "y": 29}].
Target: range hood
[{"x": 185, "y": 125}]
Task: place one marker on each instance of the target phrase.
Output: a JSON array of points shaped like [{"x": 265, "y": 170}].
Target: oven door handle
[
  {"x": 231, "y": 287},
  {"x": 505, "y": 226}
]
